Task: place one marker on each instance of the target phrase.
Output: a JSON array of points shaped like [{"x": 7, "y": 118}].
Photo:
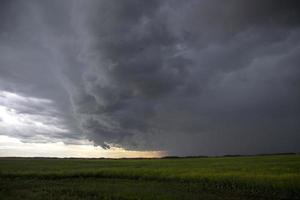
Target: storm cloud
[{"x": 190, "y": 78}]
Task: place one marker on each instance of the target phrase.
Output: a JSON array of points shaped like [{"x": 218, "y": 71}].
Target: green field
[{"x": 253, "y": 177}]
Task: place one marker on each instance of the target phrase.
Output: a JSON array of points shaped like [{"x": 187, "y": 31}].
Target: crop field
[{"x": 252, "y": 177}]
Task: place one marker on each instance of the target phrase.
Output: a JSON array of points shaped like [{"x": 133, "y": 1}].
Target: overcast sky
[{"x": 194, "y": 77}]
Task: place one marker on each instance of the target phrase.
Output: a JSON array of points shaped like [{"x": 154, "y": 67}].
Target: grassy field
[{"x": 253, "y": 177}]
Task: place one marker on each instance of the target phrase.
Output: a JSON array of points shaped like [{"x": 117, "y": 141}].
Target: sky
[{"x": 132, "y": 78}]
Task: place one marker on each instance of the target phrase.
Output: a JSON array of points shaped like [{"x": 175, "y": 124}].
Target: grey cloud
[
  {"x": 157, "y": 77},
  {"x": 193, "y": 77},
  {"x": 29, "y": 68}
]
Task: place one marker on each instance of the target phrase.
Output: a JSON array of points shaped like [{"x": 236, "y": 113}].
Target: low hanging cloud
[
  {"x": 190, "y": 78},
  {"x": 32, "y": 119}
]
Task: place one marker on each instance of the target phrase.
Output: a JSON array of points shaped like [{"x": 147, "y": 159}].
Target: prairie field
[{"x": 247, "y": 177}]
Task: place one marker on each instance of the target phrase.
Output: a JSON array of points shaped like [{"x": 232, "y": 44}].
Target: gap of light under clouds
[{"x": 13, "y": 147}]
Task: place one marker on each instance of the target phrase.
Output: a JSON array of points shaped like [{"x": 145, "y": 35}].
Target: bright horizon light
[{"x": 13, "y": 147}]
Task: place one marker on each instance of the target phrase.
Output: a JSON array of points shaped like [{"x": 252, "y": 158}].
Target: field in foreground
[{"x": 259, "y": 177}]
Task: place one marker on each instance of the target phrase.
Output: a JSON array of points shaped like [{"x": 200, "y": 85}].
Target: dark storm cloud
[
  {"x": 29, "y": 65},
  {"x": 192, "y": 77}
]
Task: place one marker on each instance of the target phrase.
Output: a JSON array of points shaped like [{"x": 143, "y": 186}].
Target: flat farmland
[{"x": 249, "y": 177}]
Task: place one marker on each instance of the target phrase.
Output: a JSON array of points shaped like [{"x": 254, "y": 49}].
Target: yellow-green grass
[{"x": 276, "y": 176}]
